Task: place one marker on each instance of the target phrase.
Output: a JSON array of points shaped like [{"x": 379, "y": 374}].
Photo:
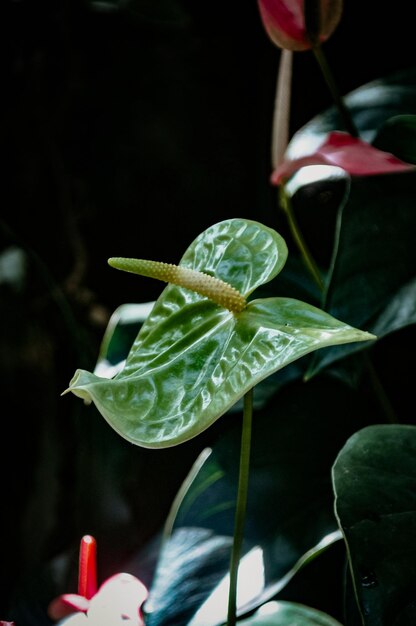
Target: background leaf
[
  {"x": 375, "y": 258},
  {"x": 399, "y": 134},
  {"x": 370, "y": 105},
  {"x": 288, "y": 614},
  {"x": 374, "y": 481}
]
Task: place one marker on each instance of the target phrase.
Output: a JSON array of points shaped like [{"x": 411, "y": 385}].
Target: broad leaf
[
  {"x": 289, "y": 614},
  {"x": 193, "y": 359},
  {"x": 374, "y": 480},
  {"x": 375, "y": 260},
  {"x": 127, "y": 319}
]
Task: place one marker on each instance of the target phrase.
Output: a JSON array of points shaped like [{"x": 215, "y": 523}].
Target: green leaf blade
[
  {"x": 240, "y": 252},
  {"x": 193, "y": 359},
  {"x": 374, "y": 480},
  {"x": 187, "y": 376}
]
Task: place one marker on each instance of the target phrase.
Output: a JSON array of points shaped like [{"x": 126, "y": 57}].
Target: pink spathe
[
  {"x": 355, "y": 156},
  {"x": 284, "y": 22}
]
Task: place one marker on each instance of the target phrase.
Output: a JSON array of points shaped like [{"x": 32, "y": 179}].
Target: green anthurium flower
[{"x": 204, "y": 345}]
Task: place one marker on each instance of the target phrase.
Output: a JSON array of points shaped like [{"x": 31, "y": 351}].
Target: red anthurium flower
[
  {"x": 119, "y": 599},
  {"x": 353, "y": 155},
  {"x": 284, "y": 21}
]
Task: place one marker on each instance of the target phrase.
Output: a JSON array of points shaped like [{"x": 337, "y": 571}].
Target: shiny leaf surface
[
  {"x": 193, "y": 359},
  {"x": 374, "y": 480}
]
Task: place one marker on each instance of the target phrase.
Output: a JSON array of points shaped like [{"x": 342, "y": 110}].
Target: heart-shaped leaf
[
  {"x": 374, "y": 481},
  {"x": 193, "y": 359}
]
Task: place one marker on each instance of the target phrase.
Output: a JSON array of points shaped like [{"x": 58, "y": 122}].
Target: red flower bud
[{"x": 285, "y": 22}]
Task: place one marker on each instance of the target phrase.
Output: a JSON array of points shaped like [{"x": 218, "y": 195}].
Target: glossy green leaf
[
  {"x": 374, "y": 480},
  {"x": 289, "y": 614},
  {"x": 193, "y": 359},
  {"x": 127, "y": 319}
]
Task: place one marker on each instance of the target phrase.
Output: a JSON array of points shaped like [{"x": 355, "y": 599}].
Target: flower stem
[
  {"x": 240, "y": 512},
  {"x": 333, "y": 88},
  {"x": 299, "y": 240},
  {"x": 281, "y": 113}
]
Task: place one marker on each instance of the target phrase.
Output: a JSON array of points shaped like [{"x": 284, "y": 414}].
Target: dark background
[{"x": 127, "y": 128}]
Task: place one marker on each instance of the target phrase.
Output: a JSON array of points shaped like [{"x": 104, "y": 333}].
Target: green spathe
[{"x": 193, "y": 359}]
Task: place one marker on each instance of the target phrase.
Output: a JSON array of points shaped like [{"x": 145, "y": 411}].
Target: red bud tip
[{"x": 87, "y": 574}]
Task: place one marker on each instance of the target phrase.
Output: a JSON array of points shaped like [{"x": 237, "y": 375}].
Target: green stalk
[
  {"x": 333, "y": 88},
  {"x": 299, "y": 240},
  {"x": 281, "y": 112},
  {"x": 240, "y": 512}
]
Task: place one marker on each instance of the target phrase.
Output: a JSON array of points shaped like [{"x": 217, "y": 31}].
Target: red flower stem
[{"x": 87, "y": 573}]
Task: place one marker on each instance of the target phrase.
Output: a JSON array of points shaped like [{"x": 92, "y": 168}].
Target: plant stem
[
  {"x": 299, "y": 240},
  {"x": 281, "y": 113},
  {"x": 240, "y": 512},
  {"x": 333, "y": 88}
]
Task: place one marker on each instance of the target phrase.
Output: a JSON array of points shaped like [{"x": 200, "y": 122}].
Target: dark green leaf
[
  {"x": 374, "y": 480},
  {"x": 288, "y": 614},
  {"x": 398, "y": 135},
  {"x": 372, "y": 280}
]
